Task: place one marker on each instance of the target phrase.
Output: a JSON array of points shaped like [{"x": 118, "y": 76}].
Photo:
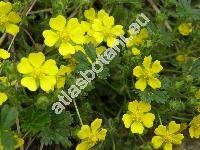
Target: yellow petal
[
  {"x": 50, "y": 37},
  {"x": 97, "y": 25},
  {"x": 111, "y": 41},
  {"x": 127, "y": 119},
  {"x": 117, "y": 30},
  {"x": 133, "y": 106},
  {"x": 60, "y": 82},
  {"x": 173, "y": 127},
  {"x": 161, "y": 130},
  {"x": 66, "y": 49},
  {"x": 157, "y": 141},
  {"x": 137, "y": 71},
  {"x": 5, "y": 7},
  {"x": 24, "y": 66},
  {"x": 14, "y": 17},
  {"x": 4, "y": 54},
  {"x": 98, "y": 37},
  {"x": 147, "y": 62},
  {"x": 154, "y": 83},
  {"x": 3, "y": 97},
  {"x": 102, "y": 134},
  {"x": 177, "y": 139},
  {"x": 101, "y": 14},
  {"x": 12, "y": 29},
  {"x": 58, "y": 23},
  {"x": 96, "y": 124},
  {"x": 137, "y": 127},
  {"x": 36, "y": 59},
  {"x": 89, "y": 14},
  {"x": 168, "y": 146},
  {"x": 47, "y": 83},
  {"x": 50, "y": 68},
  {"x": 192, "y": 132},
  {"x": 72, "y": 24},
  {"x": 84, "y": 132},
  {"x": 85, "y": 145},
  {"x": 100, "y": 49},
  {"x": 135, "y": 51},
  {"x": 65, "y": 69},
  {"x": 144, "y": 107},
  {"x": 156, "y": 67},
  {"x": 108, "y": 21},
  {"x": 148, "y": 120},
  {"x": 30, "y": 83},
  {"x": 141, "y": 84}
]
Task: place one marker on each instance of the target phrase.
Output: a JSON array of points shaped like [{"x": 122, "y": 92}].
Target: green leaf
[
  {"x": 7, "y": 139},
  {"x": 90, "y": 51},
  {"x": 8, "y": 116}
]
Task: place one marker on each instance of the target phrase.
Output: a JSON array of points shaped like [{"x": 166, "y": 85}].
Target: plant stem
[
  {"x": 2, "y": 38},
  {"x": 77, "y": 111},
  {"x": 159, "y": 119}
]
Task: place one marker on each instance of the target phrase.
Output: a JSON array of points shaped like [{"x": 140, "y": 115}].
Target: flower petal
[
  {"x": 133, "y": 106},
  {"x": 177, "y": 139},
  {"x": 58, "y": 23},
  {"x": 89, "y": 14},
  {"x": 137, "y": 127},
  {"x": 24, "y": 66},
  {"x": 36, "y": 59},
  {"x": 50, "y": 37},
  {"x": 5, "y": 7},
  {"x": 4, "y": 54},
  {"x": 168, "y": 146},
  {"x": 102, "y": 134},
  {"x": 50, "y": 67},
  {"x": 148, "y": 119},
  {"x": 47, "y": 83},
  {"x": 96, "y": 124},
  {"x": 137, "y": 71},
  {"x": 108, "y": 21},
  {"x": 161, "y": 130},
  {"x": 173, "y": 127},
  {"x": 117, "y": 30},
  {"x": 110, "y": 41},
  {"x": 154, "y": 83},
  {"x": 66, "y": 48},
  {"x": 3, "y": 97},
  {"x": 84, "y": 132},
  {"x": 127, "y": 119},
  {"x": 141, "y": 84},
  {"x": 85, "y": 145},
  {"x": 157, "y": 141},
  {"x": 156, "y": 67},
  {"x": 14, "y": 17},
  {"x": 12, "y": 29},
  {"x": 30, "y": 83},
  {"x": 147, "y": 62},
  {"x": 144, "y": 106}
]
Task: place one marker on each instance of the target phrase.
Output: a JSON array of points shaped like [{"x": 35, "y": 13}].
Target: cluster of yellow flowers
[{"x": 8, "y": 18}]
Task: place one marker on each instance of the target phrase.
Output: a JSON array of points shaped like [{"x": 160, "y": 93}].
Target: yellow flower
[
  {"x": 147, "y": 74},
  {"x": 135, "y": 51},
  {"x": 137, "y": 39},
  {"x": 100, "y": 50},
  {"x": 194, "y": 129},
  {"x": 185, "y": 28},
  {"x": 138, "y": 117},
  {"x": 3, "y": 98},
  {"x": 8, "y": 18},
  {"x": 37, "y": 72},
  {"x": 60, "y": 77},
  {"x": 167, "y": 135},
  {"x": 181, "y": 58},
  {"x": 91, "y": 135},
  {"x": 4, "y": 54},
  {"x": 69, "y": 36},
  {"x": 102, "y": 28}
]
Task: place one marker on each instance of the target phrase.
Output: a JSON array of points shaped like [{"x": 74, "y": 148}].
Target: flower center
[
  {"x": 93, "y": 137},
  {"x": 37, "y": 73},
  {"x": 64, "y": 35},
  {"x": 137, "y": 116}
]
